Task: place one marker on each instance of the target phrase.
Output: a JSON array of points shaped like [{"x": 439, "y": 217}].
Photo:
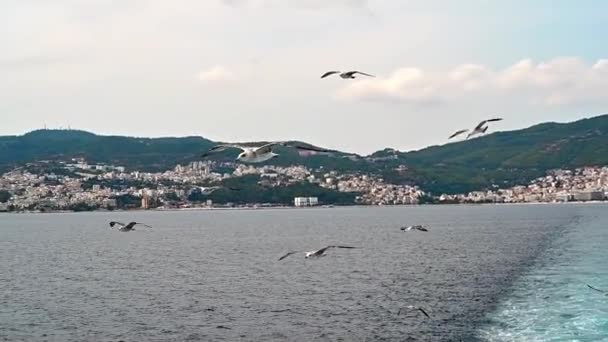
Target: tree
[
  {"x": 171, "y": 196},
  {"x": 81, "y": 206},
  {"x": 4, "y": 196}
]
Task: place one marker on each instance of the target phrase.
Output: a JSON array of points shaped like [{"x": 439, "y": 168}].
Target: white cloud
[
  {"x": 300, "y": 4},
  {"x": 560, "y": 81},
  {"x": 407, "y": 84},
  {"x": 217, "y": 74}
]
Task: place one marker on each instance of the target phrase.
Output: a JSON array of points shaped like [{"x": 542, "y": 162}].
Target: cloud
[
  {"x": 406, "y": 84},
  {"x": 299, "y": 4},
  {"x": 560, "y": 81},
  {"x": 217, "y": 74}
]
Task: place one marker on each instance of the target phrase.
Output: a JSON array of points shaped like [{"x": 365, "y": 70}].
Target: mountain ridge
[{"x": 497, "y": 159}]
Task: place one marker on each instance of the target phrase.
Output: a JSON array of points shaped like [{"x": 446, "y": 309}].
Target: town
[
  {"x": 79, "y": 186},
  {"x": 582, "y": 184},
  {"x": 76, "y": 185}
]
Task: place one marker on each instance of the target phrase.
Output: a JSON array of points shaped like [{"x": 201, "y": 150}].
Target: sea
[{"x": 481, "y": 272}]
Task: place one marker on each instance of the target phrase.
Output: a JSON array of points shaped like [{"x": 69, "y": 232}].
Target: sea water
[
  {"x": 551, "y": 301},
  {"x": 501, "y": 273}
]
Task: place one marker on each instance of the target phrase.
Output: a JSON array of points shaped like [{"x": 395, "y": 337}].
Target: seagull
[
  {"x": 411, "y": 307},
  {"x": 415, "y": 227},
  {"x": 479, "y": 129},
  {"x": 346, "y": 75},
  {"x": 262, "y": 153},
  {"x": 317, "y": 253},
  {"x": 127, "y": 227},
  {"x": 598, "y": 290}
]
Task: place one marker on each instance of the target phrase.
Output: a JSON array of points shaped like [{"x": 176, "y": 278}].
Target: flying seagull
[
  {"x": 264, "y": 152},
  {"x": 346, "y": 75},
  {"x": 598, "y": 290},
  {"x": 479, "y": 129},
  {"x": 127, "y": 227},
  {"x": 313, "y": 254},
  {"x": 415, "y": 227},
  {"x": 411, "y": 307}
]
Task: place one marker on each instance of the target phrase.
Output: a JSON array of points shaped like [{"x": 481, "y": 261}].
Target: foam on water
[{"x": 552, "y": 302}]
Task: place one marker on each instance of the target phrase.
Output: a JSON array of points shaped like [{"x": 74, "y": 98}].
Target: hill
[
  {"x": 137, "y": 153},
  {"x": 498, "y": 159},
  {"x": 507, "y": 158}
]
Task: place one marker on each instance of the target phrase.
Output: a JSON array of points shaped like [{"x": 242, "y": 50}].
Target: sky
[{"x": 249, "y": 70}]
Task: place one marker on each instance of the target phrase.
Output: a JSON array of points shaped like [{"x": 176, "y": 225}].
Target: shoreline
[{"x": 299, "y": 208}]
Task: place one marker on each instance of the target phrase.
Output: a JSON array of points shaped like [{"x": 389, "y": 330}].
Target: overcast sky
[{"x": 240, "y": 70}]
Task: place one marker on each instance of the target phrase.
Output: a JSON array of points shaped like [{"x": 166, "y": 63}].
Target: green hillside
[
  {"x": 508, "y": 158},
  {"x": 137, "y": 153},
  {"x": 498, "y": 159}
]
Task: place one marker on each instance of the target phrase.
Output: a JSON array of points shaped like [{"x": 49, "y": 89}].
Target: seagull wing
[
  {"x": 306, "y": 150},
  {"x": 220, "y": 148},
  {"x": 424, "y": 312},
  {"x": 495, "y": 119},
  {"x": 480, "y": 126},
  {"x": 142, "y": 224},
  {"x": 301, "y": 147},
  {"x": 322, "y": 250},
  {"x": 268, "y": 147},
  {"x": 329, "y": 73},
  {"x": 596, "y": 289},
  {"x": 458, "y": 133},
  {"x": 361, "y": 73},
  {"x": 288, "y": 254}
]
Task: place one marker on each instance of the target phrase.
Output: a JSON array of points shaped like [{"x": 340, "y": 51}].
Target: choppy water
[
  {"x": 551, "y": 301},
  {"x": 482, "y": 272}
]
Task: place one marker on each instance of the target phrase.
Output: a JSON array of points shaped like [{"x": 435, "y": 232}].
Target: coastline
[{"x": 284, "y": 207}]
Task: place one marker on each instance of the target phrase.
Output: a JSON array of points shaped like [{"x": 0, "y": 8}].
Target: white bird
[
  {"x": 314, "y": 254},
  {"x": 126, "y": 227},
  {"x": 346, "y": 75},
  {"x": 262, "y": 153},
  {"x": 415, "y": 227},
  {"x": 479, "y": 129}
]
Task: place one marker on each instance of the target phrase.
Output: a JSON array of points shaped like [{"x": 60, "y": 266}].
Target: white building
[
  {"x": 305, "y": 201},
  {"x": 588, "y": 196}
]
